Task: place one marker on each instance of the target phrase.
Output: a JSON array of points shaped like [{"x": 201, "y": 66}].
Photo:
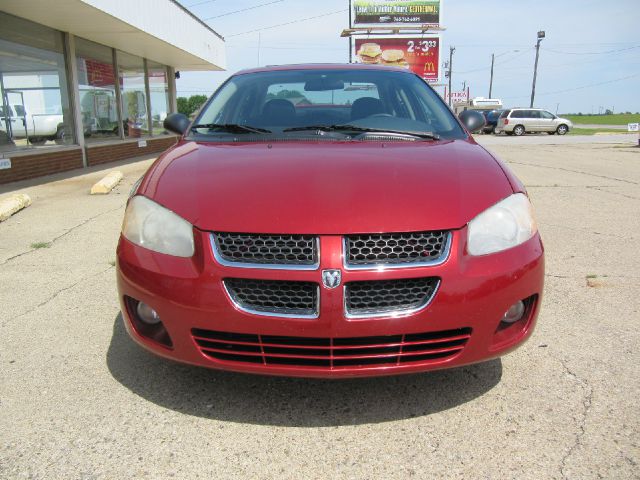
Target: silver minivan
[{"x": 518, "y": 121}]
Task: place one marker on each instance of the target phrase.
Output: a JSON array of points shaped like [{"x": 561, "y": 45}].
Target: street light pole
[
  {"x": 451, "y": 50},
  {"x": 491, "y": 81},
  {"x": 535, "y": 67}
]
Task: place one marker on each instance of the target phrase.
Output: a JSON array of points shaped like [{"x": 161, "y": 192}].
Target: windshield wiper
[
  {"x": 355, "y": 128},
  {"x": 232, "y": 128}
]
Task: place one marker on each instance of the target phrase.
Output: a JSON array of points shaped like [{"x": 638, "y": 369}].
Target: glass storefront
[
  {"x": 97, "y": 87},
  {"x": 36, "y": 99},
  {"x": 133, "y": 93},
  {"x": 34, "y": 106},
  {"x": 159, "y": 95}
]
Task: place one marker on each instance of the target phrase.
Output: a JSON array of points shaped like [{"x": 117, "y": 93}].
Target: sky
[{"x": 589, "y": 60}]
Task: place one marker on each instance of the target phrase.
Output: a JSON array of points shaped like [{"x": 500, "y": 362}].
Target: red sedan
[{"x": 329, "y": 221}]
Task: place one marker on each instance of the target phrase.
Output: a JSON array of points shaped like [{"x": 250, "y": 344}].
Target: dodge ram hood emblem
[{"x": 331, "y": 278}]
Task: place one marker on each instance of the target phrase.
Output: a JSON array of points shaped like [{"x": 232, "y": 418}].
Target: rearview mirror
[
  {"x": 473, "y": 120},
  {"x": 323, "y": 84},
  {"x": 176, "y": 123}
]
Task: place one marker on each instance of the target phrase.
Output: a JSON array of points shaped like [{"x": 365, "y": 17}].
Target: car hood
[{"x": 327, "y": 187}]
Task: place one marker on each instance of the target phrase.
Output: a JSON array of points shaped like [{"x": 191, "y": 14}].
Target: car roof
[{"x": 323, "y": 66}]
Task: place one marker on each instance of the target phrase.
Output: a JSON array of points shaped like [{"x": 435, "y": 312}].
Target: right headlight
[
  {"x": 508, "y": 223},
  {"x": 152, "y": 226}
]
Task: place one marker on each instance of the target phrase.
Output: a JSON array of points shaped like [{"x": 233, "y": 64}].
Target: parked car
[
  {"x": 368, "y": 235},
  {"x": 491, "y": 118},
  {"x": 518, "y": 121},
  {"x": 38, "y": 128}
]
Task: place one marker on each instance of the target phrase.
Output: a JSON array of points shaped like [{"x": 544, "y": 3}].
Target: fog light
[
  {"x": 515, "y": 312},
  {"x": 148, "y": 315}
]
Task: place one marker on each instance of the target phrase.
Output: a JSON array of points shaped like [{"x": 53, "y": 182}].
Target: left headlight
[
  {"x": 152, "y": 226},
  {"x": 508, "y": 223}
]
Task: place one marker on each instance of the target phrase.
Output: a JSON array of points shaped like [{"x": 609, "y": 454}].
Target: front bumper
[{"x": 474, "y": 293}]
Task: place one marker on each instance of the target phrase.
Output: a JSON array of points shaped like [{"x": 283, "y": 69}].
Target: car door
[
  {"x": 547, "y": 121},
  {"x": 533, "y": 120}
]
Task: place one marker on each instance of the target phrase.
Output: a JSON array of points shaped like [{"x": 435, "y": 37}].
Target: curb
[
  {"x": 13, "y": 204},
  {"x": 107, "y": 184}
]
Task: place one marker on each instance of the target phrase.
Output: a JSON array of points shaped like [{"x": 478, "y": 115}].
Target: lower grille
[
  {"x": 274, "y": 297},
  {"x": 331, "y": 353},
  {"x": 388, "y": 297}
]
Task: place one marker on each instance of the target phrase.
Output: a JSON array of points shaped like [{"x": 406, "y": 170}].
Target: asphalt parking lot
[{"x": 79, "y": 400}]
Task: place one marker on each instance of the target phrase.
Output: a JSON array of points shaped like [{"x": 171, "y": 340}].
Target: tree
[{"x": 188, "y": 106}]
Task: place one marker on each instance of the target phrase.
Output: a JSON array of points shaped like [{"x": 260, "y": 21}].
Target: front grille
[
  {"x": 274, "y": 297},
  {"x": 386, "y": 297},
  {"x": 258, "y": 249},
  {"x": 331, "y": 353},
  {"x": 399, "y": 249}
]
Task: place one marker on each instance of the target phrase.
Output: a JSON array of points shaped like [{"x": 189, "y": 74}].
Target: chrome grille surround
[
  {"x": 395, "y": 250},
  {"x": 274, "y": 298},
  {"x": 268, "y": 251},
  {"x": 388, "y": 298}
]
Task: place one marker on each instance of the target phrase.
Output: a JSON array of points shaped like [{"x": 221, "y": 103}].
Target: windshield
[{"x": 284, "y": 102}]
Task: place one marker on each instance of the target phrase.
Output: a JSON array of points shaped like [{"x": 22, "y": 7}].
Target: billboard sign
[
  {"x": 395, "y": 12},
  {"x": 421, "y": 55}
]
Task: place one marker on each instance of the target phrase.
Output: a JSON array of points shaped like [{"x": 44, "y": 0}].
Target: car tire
[
  {"x": 60, "y": 136},
  {"x": 37, "y": 140},
  {"x": 518, "y": 130},
  {"x": 562, "y": 129}
]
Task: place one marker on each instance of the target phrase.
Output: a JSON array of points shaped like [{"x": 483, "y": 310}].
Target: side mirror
[
  {"x": 473, "y": 120},
  {"x": 176, "y": 123}
]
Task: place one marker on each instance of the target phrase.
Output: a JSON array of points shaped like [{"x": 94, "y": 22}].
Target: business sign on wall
[
  {"x": 395, "y": 12},
  {"x": 421, "y": 55}
]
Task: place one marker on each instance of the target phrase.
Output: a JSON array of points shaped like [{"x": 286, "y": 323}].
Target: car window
[{"x": 280, "y": 100}]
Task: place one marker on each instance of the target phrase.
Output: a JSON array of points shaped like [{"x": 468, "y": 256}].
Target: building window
[
  {"x": 159, "y": 94},
  {"x": 133, "y": 92},
  {"x": 34, "y": 103},
  {"x": 97, "y": 91}
]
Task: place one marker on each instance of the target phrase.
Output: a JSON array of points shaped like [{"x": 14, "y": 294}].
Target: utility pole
[
  {"x": 451, "y": 50},
  {"x": 491, "y": 80},
  {"x": 535, "y": 68},
  {"x": 350, "y": 40}
]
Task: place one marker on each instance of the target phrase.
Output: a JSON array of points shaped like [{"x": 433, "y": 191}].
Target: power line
[
  {"x": 584, "y": 86},
  {"x": 497, "y": 63},
  {"x": 201, "y": 3},
  {"x": 591, "y": 53},
  {"x": 288, "y": 23},
  {"x": 243, "y": 10}
]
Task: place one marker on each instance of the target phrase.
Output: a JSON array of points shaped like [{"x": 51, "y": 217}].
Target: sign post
[{"x": 634, "y": 127}]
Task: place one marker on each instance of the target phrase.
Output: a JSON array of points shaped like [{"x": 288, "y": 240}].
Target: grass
[
  {"x": 593, "y": 131},
  {"x": 38, "y": 245},
  {"x": 616, "y": 119}
]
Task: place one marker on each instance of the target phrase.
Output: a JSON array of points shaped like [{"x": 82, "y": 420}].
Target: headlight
[
  {"x": 154, "y": 227},
  {"x": 508, "y": 223}
]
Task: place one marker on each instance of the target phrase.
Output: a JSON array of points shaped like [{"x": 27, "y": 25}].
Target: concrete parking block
[
  {"x": 13, "y": 204},
  {"x": 107, "y": 184}
]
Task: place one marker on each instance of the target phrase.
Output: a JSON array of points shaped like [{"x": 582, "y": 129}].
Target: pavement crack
[
  {"x": 615, "y": 179},
  {"x": 586, "y": 407},
  {"x": 55, "y": 294},
  {"x": 599, "y": 188},
  {"x": 66, "y": 232}
]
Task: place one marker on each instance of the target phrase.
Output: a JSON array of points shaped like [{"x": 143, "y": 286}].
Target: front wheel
[
  {"x": 37, "y": 140},
  {"x": 562, "y": 129},
  {"x": 518, "y": 130}
]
